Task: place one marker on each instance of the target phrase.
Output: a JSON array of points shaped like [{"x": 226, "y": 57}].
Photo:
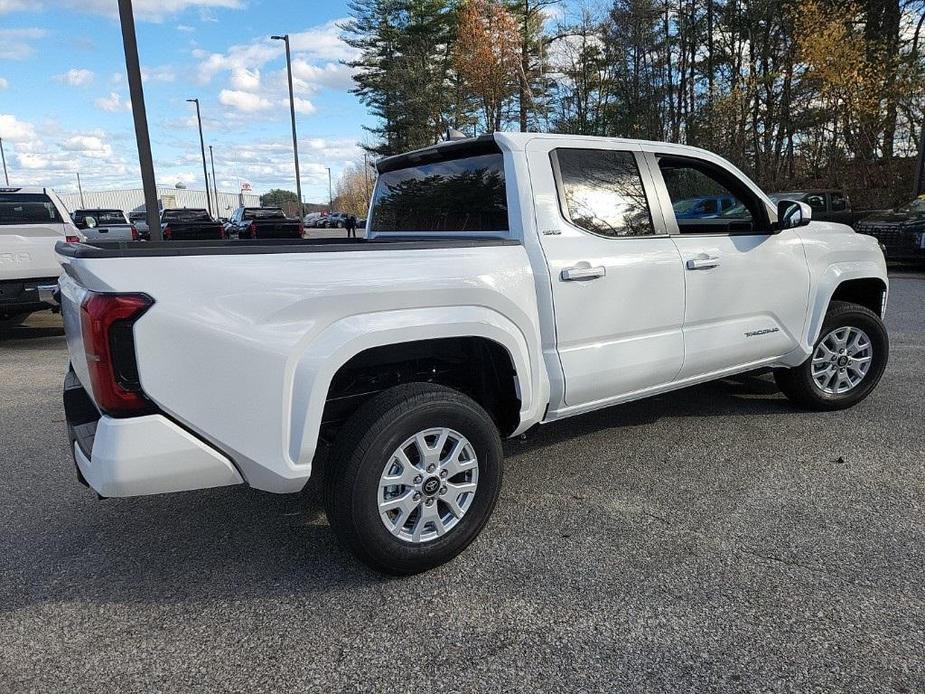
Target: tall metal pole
[
  {"x": 137, "y": 95},
  {"x": 330, "y": 191},
  {"x": 80, "y": 190},
  {"x": 214, "y": 181},
  {"x": 202, "y": 148},
  {"x": 920, "y": 164},
  {"x": 3, "y": 156},
  {"x": 295, "y": 139}
]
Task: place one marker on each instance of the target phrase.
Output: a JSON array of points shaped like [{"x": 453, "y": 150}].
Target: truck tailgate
[{"x": 29, "y": 251}]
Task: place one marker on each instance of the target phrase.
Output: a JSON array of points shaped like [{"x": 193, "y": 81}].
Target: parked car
[
  {"x": 140, "y": 220},
  {"x": 262, "y": 223},
  {"x": 32, "y": 220},
  {"x": 704, "y": 206},
  {"x": 105, "y": 225},
  {"x": 901, "y": 231},
  {"x": 313, "y": 220},
  {"x": 828, "y": 205},
  {"x": 190, "y": 224},
  {"x": 506, "y": 281},
  {"x": 336, "y": 220}
]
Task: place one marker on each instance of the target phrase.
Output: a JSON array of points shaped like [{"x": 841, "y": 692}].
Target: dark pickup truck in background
[
  {"x": 829, "y": 205},
  {"x": 188, "y": 224},
  {"x": 262, "y": 223},
  {"x": 901, "y": 231}
]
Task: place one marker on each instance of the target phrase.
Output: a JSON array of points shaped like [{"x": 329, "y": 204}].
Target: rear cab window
[
  {"x": 27, "y": 208},
  {"x": 263, "y": 213},
  {"x": 445, "y": 190},
  {"x": 185, "y": 216}
]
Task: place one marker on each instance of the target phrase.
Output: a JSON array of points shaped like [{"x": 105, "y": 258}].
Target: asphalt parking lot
[{"x": 713, "y": 539}]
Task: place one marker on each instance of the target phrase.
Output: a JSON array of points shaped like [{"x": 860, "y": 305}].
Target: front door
[
  {"x": 747, "y": 288},
  {"x": 617, "y": 282}
]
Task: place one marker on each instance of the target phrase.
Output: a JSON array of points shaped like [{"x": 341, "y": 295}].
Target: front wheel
[
  {"x": 414, "y": 478},
  {"x": 847, "y": 361}
]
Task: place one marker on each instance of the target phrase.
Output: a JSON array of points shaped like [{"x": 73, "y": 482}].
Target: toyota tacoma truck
[
  {"x": 32, "y": 221},
  {"x": 262, "y": 223},
  {"x": 507, "y": 281}
]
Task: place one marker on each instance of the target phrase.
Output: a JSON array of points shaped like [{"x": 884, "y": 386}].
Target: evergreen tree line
[{"x": 789, "y": 90}]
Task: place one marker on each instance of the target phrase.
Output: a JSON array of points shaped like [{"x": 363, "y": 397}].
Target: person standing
[{"x": 351, "y": 225}]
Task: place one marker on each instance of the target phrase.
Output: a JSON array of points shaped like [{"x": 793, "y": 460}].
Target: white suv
[{"x": 32, "y": 220}]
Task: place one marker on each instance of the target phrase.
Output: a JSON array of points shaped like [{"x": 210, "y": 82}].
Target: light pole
[
  {"x": 202, "y": 148},
  {"x": 137, "y": 95},
  {"x": 3, "y": 156},
  {"x": 214, "y": 181},
  {"x": 80, "y": 190},
  {"x": 330, "y": 191},
  {"x": 295, "y": 139}
]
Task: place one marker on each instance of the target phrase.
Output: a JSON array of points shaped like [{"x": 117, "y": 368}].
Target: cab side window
[
  {"x": 708, "y": 200},
  {"x": 816, "y": 201},
  {"x": 601, "y": 191},
  {"x": 839, "y": 202}
]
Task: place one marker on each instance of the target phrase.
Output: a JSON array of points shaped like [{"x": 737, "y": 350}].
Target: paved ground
[{"x": 714, "y": 539}]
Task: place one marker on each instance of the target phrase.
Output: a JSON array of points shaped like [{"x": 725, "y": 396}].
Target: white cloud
[
  {"x": 164, "y": 73},
  {"x": 113, "y": 103},
  {"x": 303, "y": 106},
  {"x": 15, "y": 130},
  {"x": 244, "y": 101},
  {"x": 89, "y": 145},
  {"x": 76, "y": 77},
  {"x": 4, "y": 84},
  {"x": 17, "y": 44},
  {"x": 149, "y": 10},
  {"x": 331, "y": 75},
  {"x": 244, "y": 79},
  {"x": 186, "y": 28},
  {"x": 15, "y": 5},
  {"x": 323, "y": 43}
]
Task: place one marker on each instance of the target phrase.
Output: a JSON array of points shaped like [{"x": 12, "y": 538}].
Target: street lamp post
[
  {"x": 3, "y": 156},
  {"x": 330, "y": 191},
  {"x": 137, "y": 95},
  {"x": 80, "y": 190},
  {"x": 202, "y": 148},
  {"x": 295, "y": 139},
  {"x": 214, "y": 181}
]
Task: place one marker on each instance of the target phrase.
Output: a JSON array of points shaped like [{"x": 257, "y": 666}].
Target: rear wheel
[
  {"x": 14, "y": 320},
  {"x": 847, "y": 361},
  {"x": 415, "y": 475}
]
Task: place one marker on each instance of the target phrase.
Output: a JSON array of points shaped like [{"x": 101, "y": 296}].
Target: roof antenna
[{"x": 452, "y": 134}]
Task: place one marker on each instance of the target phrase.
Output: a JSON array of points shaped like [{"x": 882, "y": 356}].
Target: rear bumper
[
  {"x": 138, "y": 455},
  {"x": 22, "y": 296}
]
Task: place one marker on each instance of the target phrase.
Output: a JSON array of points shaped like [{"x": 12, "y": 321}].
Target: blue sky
[{"x": 64, "y": 98}]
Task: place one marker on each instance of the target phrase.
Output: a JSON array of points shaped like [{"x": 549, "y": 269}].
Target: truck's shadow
[{"x": 238, "y": 543}]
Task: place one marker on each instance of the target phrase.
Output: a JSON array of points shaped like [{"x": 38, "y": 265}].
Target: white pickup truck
[
  {"x": 506, "y": 281},
  {"x": 32, "y": 221}
]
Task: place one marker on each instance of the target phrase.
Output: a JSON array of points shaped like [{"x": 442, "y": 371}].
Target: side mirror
[
  {"x": 90, "y": 222},
  {"x": 792, "y": 214}
]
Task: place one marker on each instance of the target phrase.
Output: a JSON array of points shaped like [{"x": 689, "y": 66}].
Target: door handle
[
  {"x": 580, "y": 273},
  {"x": 702, "y": 263}
]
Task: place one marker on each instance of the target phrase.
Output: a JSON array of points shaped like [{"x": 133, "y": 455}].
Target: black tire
[
  {"x": 363, "y": 447},
  {"x": 798, "y": 384},
  {"x": 13, "y": 321}
]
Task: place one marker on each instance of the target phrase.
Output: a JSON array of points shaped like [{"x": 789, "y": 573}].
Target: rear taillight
[
  {"x": 134, "y": 233},
  {"x": 252, "y": 230},
  {"x": 72, "y": 239},
  {"x": 107, "y": 322},
  {"x": 168, "y": 233}
]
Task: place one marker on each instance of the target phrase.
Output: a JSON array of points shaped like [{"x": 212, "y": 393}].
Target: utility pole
[
  {"x": 137, "y": 95},
  {"x": 295, "y": 139},
  {"x": 3, "y": 156},
  {"x": 214, "y": 181},
  {"x": 202, "y": 148},
  {"x": 330, "y": 191},
  {"x": 920, "y": 165},
  {"x": 80, "y": 190}
]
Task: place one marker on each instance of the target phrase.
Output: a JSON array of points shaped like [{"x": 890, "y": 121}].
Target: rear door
[
  {"x": 30, "y": 226},
  {"x": 746, "y": 287},
  {"x": 617, "y": 283}
]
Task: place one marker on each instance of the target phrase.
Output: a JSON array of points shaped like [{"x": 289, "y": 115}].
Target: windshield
[
  {"x": 917, "y": 206},
  {"x": 24, "y": 208},
  {"x": 263, "y": 213},
  {"x": 685, "y": 205},
  {"x": 777, "y": 197},
  {"x": 466, "y": 194},
  {"x": 186, "y": 216}
]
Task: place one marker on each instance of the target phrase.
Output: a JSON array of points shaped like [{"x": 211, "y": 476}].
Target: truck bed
[{"x": 122, "y": 249}]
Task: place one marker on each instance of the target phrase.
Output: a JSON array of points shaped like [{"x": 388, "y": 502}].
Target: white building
[{"x": 133, "y": 199}]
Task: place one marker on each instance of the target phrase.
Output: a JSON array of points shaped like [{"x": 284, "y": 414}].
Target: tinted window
[
  {"x": 186, "y": 216},
  {"x": 839, "y": 202},
  {"x": 457, "y": 195},
  {"x": 101, "y": 216},
  {"x": 602, "y": 192},
  {"x": 23, "y": 208},
  {"x": 690, "y": 182},
  {"x": 816, "y": 201},
  {"x": 263, "y": 213}
]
